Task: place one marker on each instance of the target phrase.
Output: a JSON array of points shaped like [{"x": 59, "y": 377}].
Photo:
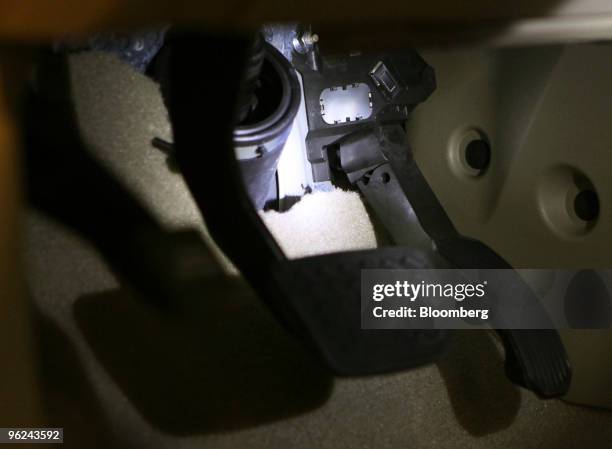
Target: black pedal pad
[{"x": 325, "y": 293}]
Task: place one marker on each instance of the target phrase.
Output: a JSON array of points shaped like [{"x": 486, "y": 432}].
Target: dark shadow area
[
  {"x": 383, "y": 238},
  {"x": 483, "y": 399},
  {"x": 221, "y": 363},
  {"x": 70, "y": 401},
  {"x": 436, "y": 24}
]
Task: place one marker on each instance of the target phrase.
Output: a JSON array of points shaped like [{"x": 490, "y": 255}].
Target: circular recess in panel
[
  {"x": 469, "y": 152},
  {"x": 568, "y": 201}
]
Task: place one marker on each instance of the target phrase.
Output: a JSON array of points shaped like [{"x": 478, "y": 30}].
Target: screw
[{"x": 305, "y": 42}]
